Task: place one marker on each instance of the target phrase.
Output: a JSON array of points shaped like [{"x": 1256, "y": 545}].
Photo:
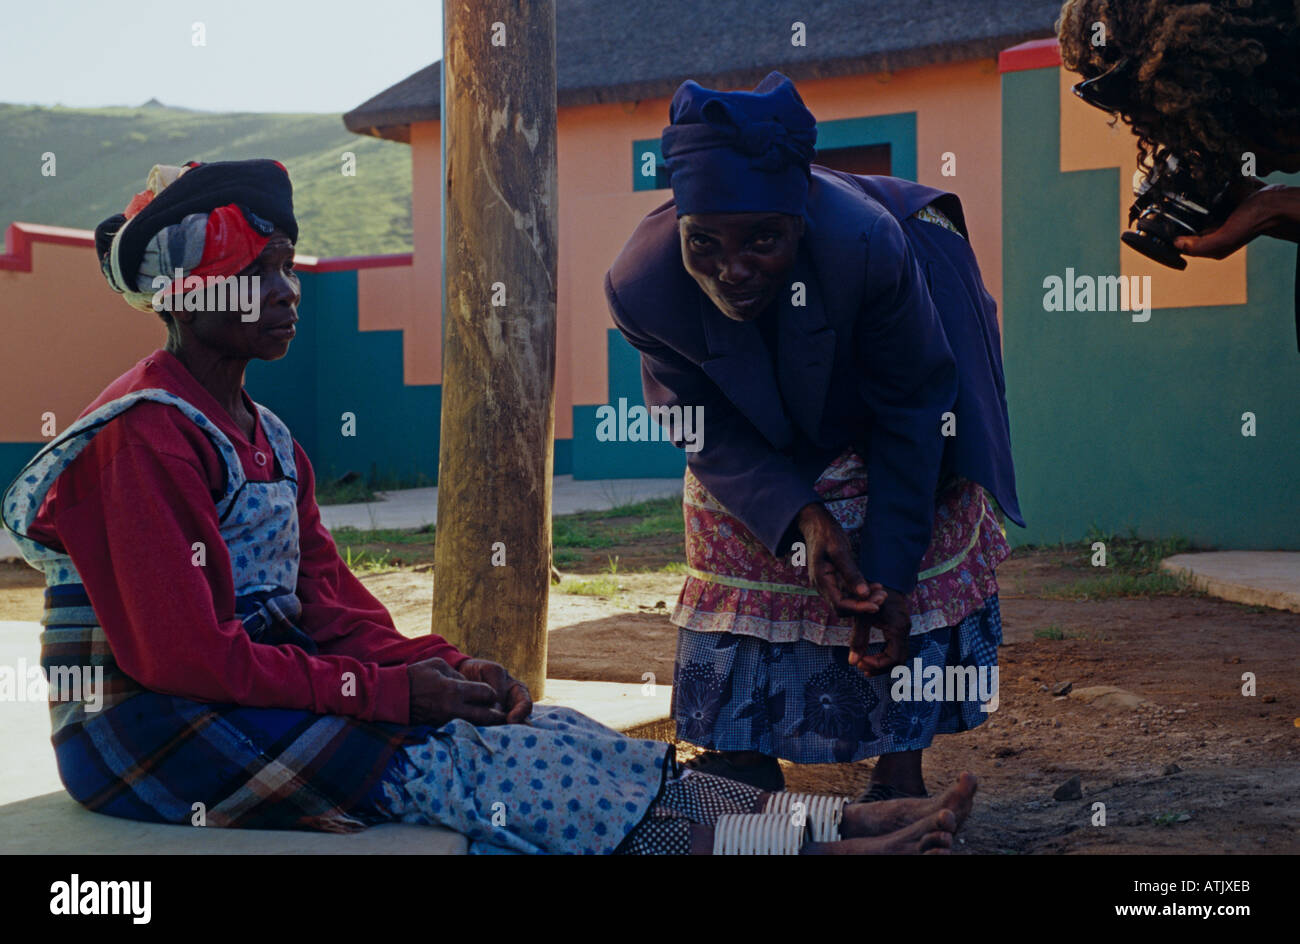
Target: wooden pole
[{"x": 492, "y": 559}]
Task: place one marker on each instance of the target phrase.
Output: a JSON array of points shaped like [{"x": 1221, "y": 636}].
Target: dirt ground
[{"x": 1181, "y": 759}]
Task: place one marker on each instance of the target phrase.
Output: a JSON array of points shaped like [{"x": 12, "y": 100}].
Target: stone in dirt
[
  {"x": 1072, "y": 789},
  {"x": 1108, "y": 696},
  {"x": 1170, "y": 770},
  {"x": 1062, "y": 688}
]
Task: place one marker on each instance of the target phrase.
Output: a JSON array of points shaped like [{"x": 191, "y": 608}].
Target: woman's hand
[
  {"x": 1273, "y": 210},
  {"x": 440, "y": 694},
  {"x": 896, "y": 624},
  {"x": 512, "y": 695},
  {"x": 831, "y": 568}
]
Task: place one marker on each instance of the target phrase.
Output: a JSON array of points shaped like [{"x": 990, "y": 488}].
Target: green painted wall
[
  {"x": 593, "y": 459},
  {"x": 332, "y": 368},
  {"x": 898, "y": 131},
  {"x": 1137, "y": 425},
  {"x": 341, "y": 369},
  {"x": 13, "y": 456}
]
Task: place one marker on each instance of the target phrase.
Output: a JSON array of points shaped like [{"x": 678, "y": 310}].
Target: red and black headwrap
[{"x": 200, "y": 219}]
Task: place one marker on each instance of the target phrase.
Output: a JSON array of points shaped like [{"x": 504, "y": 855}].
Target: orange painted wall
[
  {"x": 66, "y": 336},
  {"x": 409, "y": 298},
  {"x": 958, "y": 110}
]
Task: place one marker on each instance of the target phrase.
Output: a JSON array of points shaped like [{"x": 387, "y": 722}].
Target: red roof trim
[
  {"x": 1035, "y": 54},
  {"x": 19, "y": 238},
  {"x": 349, "y": 263}
]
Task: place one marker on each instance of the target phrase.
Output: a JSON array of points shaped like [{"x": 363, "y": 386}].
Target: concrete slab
[
  {"x": 28, "y": 769},
  {"x": 37, "y": 816},
  {"x": 55, "y": 824},
  {"x": 616, "y": 705},
  {"x": 1256, "y": 578}
]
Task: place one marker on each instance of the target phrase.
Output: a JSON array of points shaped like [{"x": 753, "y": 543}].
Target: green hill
[{"x": 104, "y": 154}]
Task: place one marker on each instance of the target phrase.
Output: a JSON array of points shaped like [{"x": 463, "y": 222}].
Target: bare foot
[
  {"x": 887, "y": 816},
  {"x": 931, "y": 834}
]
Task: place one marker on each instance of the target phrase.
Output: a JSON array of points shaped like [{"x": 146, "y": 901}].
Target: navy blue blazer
[
  {"x": 981, "y": 450},
  {"x": 865, "y": 362}
]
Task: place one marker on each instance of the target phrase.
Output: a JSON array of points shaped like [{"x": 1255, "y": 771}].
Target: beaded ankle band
[
  {"x": 757, "y": 834},
  {"x": 822, "y": 813}
]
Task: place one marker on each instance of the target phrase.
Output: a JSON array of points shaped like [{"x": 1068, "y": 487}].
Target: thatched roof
[{"x": 623, "y": 51}]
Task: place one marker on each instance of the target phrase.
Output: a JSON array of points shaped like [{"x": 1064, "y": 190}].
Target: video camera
[{"x": 1170, "y": 201}]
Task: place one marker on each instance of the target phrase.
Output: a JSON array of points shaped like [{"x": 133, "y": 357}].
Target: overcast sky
[{"x": 260, "y": 55}]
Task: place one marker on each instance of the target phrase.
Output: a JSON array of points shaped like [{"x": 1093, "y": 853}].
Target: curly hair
[{"x": 1212, "y": 79}]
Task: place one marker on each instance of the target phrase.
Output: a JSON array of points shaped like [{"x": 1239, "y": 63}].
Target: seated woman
[{"x": 249, "y": 678}]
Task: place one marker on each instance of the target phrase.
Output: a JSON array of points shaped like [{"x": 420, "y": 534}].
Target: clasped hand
[
  {"x": 835, "y": 575},
  {"x": 480, "y": 692}
]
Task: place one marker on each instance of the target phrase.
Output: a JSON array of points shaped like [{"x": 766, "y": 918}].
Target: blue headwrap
[{"x": 740, "y": 152}]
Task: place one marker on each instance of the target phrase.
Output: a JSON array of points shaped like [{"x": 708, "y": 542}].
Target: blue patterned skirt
[
  {"x": 560, "y": 783},
  {"x": 805, "y": 703}
]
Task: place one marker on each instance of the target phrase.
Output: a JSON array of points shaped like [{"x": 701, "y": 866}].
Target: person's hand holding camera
[{"x": 1271, "y": 210}]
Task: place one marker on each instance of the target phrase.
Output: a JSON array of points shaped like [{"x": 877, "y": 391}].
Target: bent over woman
[
  {"x": 842, "y": 509},
  {"x": 246, "y": 672}
]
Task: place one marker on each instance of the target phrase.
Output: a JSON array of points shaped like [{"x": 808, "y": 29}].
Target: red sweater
[{"x": 127, "y": 511}]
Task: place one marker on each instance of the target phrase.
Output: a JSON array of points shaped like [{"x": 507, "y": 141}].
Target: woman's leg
[
  {"x": 683, "y": 821},
  {"x": 561, "y": 783},
  {"x": 901, "y": 771},
  {"x": 929, "y": 835},
  {"x": 971, "y": 643},
  {"x": 713, "y": 672}
]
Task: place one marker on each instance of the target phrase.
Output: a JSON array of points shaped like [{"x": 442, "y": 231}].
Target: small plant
[
  {"x": 1117, "y": 585},
  {"x": 1168, "y": 819},
  {"x": 599, "y": 587},
  {"x": 365, "y": 562},
  {"x": 1051, "y": 632}
]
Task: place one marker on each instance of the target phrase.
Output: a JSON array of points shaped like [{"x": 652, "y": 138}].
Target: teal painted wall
[
  {"x": 1122, "y": 425},
  {"x": 332, "y": 368},
  {"x": 898, "y": 131},
  {"x": 593, "y": 459},
  {"x": 341, "y": 369},
  {"x": 13, "y": 456}
]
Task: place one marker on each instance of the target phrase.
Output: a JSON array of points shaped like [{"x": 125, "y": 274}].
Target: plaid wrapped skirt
[{"x": 144, "y": 755}]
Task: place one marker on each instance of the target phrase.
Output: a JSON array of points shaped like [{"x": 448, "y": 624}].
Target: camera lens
[{"x": 1164, "y": 211}]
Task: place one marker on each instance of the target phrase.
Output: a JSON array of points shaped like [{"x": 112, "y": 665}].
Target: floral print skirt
[
  {"x": 805, "y": 703},
  {"x": 762, "y": 659}
]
